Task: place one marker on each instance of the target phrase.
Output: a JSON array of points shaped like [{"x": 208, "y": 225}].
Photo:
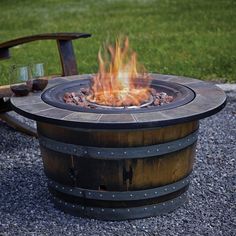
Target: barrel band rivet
[
  {"x": 122, "y": 195},
  {"x": 122, "y": 213},
  {"x": 118, "y": 153}
]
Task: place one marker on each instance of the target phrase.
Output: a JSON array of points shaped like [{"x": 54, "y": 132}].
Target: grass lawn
[{"x": 195, "y": 38}]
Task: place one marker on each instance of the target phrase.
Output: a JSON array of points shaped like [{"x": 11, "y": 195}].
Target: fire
[{"x": 118, "y": 82}]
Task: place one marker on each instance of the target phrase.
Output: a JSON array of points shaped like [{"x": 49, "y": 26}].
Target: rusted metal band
[
  {"x": 121, "y": 213},
  {"x": 122, "y": 195},
  {"x": 118, "y": 153}
]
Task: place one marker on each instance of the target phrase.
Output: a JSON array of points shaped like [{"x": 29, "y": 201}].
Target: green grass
[{"x": 183, "y": 37}]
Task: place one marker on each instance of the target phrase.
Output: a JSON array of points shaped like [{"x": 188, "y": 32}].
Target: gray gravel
[{"x": 25, "y": 207}]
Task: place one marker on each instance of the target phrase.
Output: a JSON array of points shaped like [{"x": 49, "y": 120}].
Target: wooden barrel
[
  {"x": 111, "y": 165},
  {"x": 118, "y": 174}
]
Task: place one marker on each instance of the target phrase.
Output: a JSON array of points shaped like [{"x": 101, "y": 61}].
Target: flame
[{"x": 118, "y": 82}]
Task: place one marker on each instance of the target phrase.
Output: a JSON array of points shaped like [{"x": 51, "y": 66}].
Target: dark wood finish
[
  {"x": 4, "y": 53},
  {"x": 5, "y": 91},
  {"x": 97, "y": 174},
  {"x": 87, "y": 172},
  {"x": 4, "y": 106},
  {"x": 115, "y": 174},
  {"x": 48, "y": 36},
  {"x": 118, "y": 138},
  {"x": 67, "y": 56},
  {"x": 64, "y": 46},
  {"x": 18, "y": 125},
  {"x": 118, "y": 174},
  {"x": 68, "y": 64}
]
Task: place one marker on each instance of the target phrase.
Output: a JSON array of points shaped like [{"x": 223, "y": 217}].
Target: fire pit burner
[
  {"x": 149, "y": 102},
  {"x": 180, "y": 93},
  {"x": 116, "y": 164}
]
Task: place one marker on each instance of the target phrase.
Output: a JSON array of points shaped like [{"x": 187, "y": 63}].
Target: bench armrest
[{"x": 64, "y": 43}]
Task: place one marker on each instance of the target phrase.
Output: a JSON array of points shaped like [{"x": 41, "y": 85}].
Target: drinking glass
[
  {"x": 38, "y": 70},
  {"x": 39, "y": 79},
  {"x": 20, "y": 80}
]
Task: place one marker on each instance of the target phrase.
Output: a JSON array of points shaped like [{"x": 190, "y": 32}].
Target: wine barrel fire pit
[{"x": 116, "y": 164}]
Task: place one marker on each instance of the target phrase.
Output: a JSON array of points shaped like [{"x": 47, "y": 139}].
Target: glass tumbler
[
  {"x": 20, "y": 80},
  {"x": 39, "y": 79}
]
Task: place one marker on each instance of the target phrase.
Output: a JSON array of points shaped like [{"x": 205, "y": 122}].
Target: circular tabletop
[{"x": 209, "y": 99}]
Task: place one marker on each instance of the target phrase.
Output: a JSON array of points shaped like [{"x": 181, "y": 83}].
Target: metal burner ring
[{"x": 149, "y": 102}]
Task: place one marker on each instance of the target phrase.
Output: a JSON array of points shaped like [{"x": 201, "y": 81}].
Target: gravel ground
[{"x": 25, "y": 207}]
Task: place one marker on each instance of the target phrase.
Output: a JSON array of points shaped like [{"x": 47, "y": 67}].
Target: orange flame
[{"x": 117, "y": 82}]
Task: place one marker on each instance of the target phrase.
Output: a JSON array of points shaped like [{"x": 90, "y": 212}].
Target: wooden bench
[{"x": 68, "y": 65}]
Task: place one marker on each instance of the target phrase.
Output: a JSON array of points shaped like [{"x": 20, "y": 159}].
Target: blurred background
[{"x": 181, "y": 37}]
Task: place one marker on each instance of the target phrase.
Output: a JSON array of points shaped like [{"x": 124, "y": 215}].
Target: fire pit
[
  {"x": 119, "y": 144},
  {"x": 116, "y": 164},
  {"x": 180, "y": 95}
]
